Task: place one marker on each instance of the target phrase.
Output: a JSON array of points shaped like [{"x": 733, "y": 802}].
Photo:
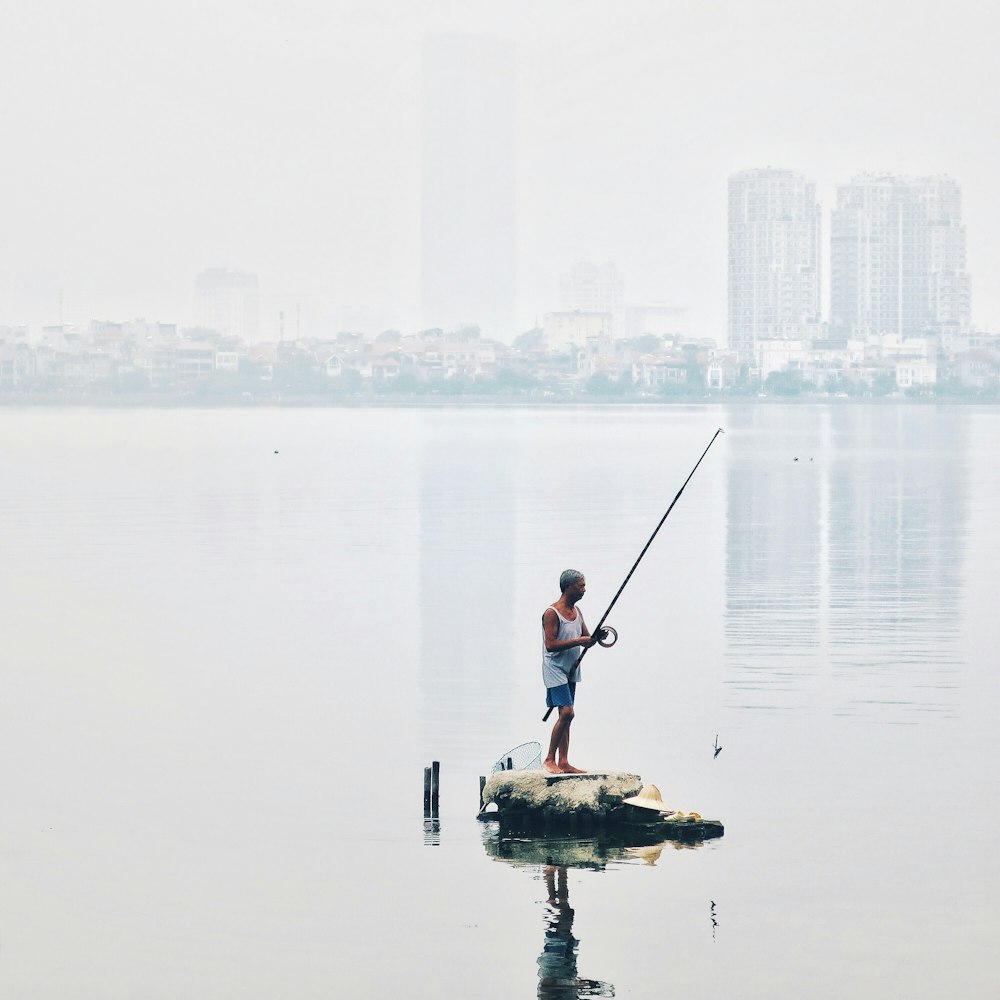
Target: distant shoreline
[{"x": 10, "y": 400}]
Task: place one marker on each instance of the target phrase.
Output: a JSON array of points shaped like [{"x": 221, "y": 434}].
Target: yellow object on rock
[{"x": 648, "y": 798}]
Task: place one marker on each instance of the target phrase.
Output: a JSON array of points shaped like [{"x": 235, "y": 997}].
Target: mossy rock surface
[{"x": 596, "y": 793}]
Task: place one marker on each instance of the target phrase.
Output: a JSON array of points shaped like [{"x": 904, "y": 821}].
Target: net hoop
[{"x": 526, "y": 757}]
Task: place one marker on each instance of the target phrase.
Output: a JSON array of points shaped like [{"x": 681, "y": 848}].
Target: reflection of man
[
  {"x": 564, "y": 636},
  {"x": 557, "y": 979}
]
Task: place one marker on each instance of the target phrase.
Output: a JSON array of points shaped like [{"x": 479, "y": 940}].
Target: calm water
[{"x": 232, "y": 641}]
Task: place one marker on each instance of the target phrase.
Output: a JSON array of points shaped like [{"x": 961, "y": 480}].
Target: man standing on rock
[{"x": 565, "y": 636}]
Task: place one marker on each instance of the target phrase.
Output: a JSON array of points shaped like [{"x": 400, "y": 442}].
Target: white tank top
[{"x": 556, "y": 666}]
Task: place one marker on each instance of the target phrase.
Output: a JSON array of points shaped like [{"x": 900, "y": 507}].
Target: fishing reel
[{"x": 606, "y": 636}]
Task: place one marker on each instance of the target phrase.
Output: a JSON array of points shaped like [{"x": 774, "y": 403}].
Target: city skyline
[
  {"x": 776, "y": 286},
  {"x": 294, "y": 151}
]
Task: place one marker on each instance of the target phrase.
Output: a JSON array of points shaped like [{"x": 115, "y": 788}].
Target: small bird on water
[{"x": 718, "y": 749}]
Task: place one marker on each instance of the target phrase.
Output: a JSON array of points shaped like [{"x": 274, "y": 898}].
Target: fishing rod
[{"x": 597, "y": 633}]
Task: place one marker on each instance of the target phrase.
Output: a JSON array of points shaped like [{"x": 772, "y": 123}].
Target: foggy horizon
[{"x": 145, "y": 147}]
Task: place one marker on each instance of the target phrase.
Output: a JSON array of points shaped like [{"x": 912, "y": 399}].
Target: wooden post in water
[
  {"x": 435, "y": 785},
  {"x": 482, "y": 785},
  {"x": 427, "y": 791}
]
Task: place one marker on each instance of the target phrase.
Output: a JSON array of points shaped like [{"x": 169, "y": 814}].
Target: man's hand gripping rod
[{"x": 597, "y": 631}]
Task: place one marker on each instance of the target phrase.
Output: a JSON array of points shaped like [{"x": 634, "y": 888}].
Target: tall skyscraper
[
  {"x": 468, "y": 184},
  {"x": 897, "y": 257},
  {"x": 228, "y": 302},
  {"x": 774, "y": 259},
  {"x": 596, "y": 288}
]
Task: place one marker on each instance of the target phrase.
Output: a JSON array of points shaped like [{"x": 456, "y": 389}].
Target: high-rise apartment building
[
  {"x": 774, "y": 258},
  {"x": 228, "y": 302},
  {"x": 468, "y": 184},
  {"x": 596, "y": 288},
  {"x": 897, "y": 257}
]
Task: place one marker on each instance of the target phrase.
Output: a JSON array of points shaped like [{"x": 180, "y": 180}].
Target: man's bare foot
[
  {"x": 552, "y": 767},
  {"x": 570, "y": 769}
]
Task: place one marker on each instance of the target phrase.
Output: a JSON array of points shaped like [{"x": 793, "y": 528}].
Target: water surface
[{"x": 233, "y": 639}]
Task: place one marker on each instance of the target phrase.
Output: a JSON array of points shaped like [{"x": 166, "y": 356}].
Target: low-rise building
[
  {"x": 978, "y": 369},
  {"x": 17, "y": 364},
  {"x": 227, "y": 361},
  {"x": 894, "y": 345},
  {"x": 193, "y": 360},
  {"x": 915, "y": 374},
  {"x": 590, "y": 331},
  {"x": 655, "y": 372},
  {"x": 778, "y": 355}
]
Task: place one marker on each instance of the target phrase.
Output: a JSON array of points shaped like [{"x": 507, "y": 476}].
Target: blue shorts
[{"x": 557, "y": 697}]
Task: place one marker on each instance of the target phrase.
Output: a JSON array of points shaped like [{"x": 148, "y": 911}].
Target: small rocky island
[{"x": 537, "y": 801}]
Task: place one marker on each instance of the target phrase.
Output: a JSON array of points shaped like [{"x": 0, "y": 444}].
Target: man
[{"x": 565, "y": 637}]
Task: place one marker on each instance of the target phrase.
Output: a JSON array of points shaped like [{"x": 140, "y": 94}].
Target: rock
[
  {"x": 534, "y": 801},
  {"x": 595, "y": 794}
]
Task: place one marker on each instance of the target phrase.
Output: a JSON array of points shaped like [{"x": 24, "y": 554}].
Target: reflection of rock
[
  {"x": 570, "y": 852},
  {"x": 575, "y": 852}
]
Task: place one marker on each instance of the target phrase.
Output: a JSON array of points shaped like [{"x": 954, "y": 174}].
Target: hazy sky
[{"x": 143, "y": 142}]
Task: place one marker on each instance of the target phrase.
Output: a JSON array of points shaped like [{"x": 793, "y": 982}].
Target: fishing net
[{"x": 526, "y": 757}]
